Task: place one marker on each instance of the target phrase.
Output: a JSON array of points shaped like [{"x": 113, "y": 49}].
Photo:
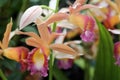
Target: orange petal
[
  {"x": 16, "y": 53},
  {"x": 63, "y": 48},
  {"x": 5, "y": 40},
  {"x": 34, "y": 42},
  {"x": 38, "y": 44},
  {"x": 1, "y": 46},
  {"x": 87, "y": 6},
  {"x": 56, "y": 17},
  {"x": 31, "y": 34},
  {"x": 44, "y": 33}
]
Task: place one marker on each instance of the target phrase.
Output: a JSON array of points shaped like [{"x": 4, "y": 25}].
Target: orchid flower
[
  {"x": 38, "y": 57},
  {"x": 117, "y": 52},
  {"x": 84, "y": 22},
  {"x": 18, "y": 54},
  {"x": 112, "y": 14}
]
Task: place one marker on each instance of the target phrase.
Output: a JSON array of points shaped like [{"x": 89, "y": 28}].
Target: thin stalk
[
  {"x": 56, "y": 10},
  {"x": 2, "y": 75},
  {"x": 51, "y": 66},
  {"x": 87, "y": 70},
  {"x": 51, "y": 55}
]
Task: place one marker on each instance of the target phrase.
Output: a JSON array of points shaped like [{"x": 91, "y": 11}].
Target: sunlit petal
[
  {"x": 30, "y": 15},
  {"x": 37, "y": 62},
  {"x": 5, "y": 40}
]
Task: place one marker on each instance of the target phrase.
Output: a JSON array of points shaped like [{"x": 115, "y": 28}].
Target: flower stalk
[{"x": 2, "y": 75}]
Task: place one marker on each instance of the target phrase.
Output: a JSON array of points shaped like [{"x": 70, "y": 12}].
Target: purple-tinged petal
[
  {"x": 30, "y": 15},
  {"x": 88, "y": 36},
  {"x": 37, "y": 62},
  {"x": 117, "y": 53},
  {"x": 65, "y": 63}
]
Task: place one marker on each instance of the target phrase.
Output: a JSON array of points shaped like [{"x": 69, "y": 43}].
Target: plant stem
[
  {"x": 56, "y": 10},
  {"x": 2, "y": 75},
  {"x": 87, "y": 70},
  {"x": 51, "y": 66},
  {"x": 51, "y": 55}
]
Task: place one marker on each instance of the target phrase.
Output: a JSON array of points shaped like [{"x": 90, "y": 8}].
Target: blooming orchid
[
  {"x": 18, "y": 54},
  {"x": 38, "y": 57},
  {"x": 84, "y": 22},
  {"x": 117, "y": 52}
]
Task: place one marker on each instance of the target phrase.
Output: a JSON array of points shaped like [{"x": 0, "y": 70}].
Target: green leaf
[
  {"x": 58, "y": 74},
  {"x": 105, "y": 63},
  {"x": 2, "y": 2}
]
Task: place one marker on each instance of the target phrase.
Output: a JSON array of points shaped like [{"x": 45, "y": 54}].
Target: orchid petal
[
  {"x": 56, "y": 17},
  {"x": 33, "y": 42},
  {"x": 73, "y": 42},
  {"x": 44, "y": 33},
  {"x": 30, "y": 15},
  {"x": 115, "y": 31},
  {"x": 31, "y": 34},
  {"x": 16, "y": 53},
  {"x": 111, "y": 3},
  {"x": 1, "y": 46},
  {"x": 79, "y": 7},
  {"x": 117, "y": 52},
  {"x": 60, "y": 55},
  {"x": 38, "y": 44},
  {"x": 65, "y": 63},
  {"x": 37, "y": 62},
  {"x": 78, "y": 20},
  {"x": 63, "y": 48},
  {"x": 5, "y": 40}
]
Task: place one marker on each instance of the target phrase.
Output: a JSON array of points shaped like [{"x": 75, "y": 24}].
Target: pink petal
[
  {"x": 117, "y": 52},
  {"x": 65, "y": 63},
  {"x": 37, "y": 62},
  {"x": 88, "y": 36},
  {"x": 30, "y": 15}
]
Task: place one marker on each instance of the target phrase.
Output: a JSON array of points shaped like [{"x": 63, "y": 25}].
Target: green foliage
[
  {"x": 58, "y": 74},
  {"x": 105, "y": 63}
]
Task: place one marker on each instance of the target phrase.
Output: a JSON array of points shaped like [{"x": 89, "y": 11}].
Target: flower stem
[
  {"x": 51, "y": 66},
  {"x": 2, "y": 75},
  {"x": 56, "y": 10},
  {"x": 51, "y": 63}
]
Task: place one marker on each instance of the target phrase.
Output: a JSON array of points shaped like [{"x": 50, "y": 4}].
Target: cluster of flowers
[{"x": 47, "y": 41}]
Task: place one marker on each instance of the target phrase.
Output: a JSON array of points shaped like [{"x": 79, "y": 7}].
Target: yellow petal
[
  {"x": 78, "y": 20},
  {"x": 38, "y": 59},
  {"x": 16, "y": 53},
  {"x": 5, "y": 40}
]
